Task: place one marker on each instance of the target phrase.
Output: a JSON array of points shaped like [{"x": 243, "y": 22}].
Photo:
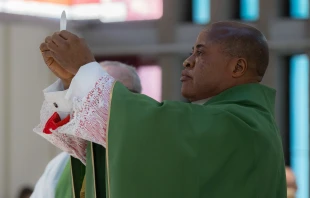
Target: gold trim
[
  {"x": 72, "y": 180},
  {"x": 107, "y": 148},
  {"x": 93, "y": 163},
  {"x": 83, "y": 189}
]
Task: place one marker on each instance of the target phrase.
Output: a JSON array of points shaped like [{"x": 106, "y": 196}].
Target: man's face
[{"x": 206, "y": 70}]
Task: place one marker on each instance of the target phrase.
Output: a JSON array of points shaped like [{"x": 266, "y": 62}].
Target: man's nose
[{"x": 188, "y": 64}]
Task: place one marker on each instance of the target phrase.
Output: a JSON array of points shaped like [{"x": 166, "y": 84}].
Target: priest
[{"x": 227, "y": 147}]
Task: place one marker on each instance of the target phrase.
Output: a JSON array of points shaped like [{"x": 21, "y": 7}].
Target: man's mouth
[{"x": 185, "y": 78}]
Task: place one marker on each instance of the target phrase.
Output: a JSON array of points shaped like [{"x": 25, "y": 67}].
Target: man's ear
[{"x": 239, "y": 67}]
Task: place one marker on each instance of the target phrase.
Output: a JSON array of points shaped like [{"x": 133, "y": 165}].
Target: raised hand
[
  {"x": 69, "y": 51},
  {"x": 58, "y": 70}
]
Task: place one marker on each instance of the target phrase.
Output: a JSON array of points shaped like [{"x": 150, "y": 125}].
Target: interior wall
[{"x": 24, "y": 75}]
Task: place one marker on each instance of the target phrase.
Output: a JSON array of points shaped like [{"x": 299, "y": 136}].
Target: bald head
[
  {"x": 225, "y": 54},
  {"x": 242, "y": 41},
  {"x": 123, "y": 73}
]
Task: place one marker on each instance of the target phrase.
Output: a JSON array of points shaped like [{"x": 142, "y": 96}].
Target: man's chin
[{"x": 186, "y": 93}]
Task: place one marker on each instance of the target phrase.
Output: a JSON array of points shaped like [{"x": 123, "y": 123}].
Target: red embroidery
[{"x": 91, "y": 113}]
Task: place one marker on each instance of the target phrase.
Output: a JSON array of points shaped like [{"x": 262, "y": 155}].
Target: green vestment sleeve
[
  {"x": 70, "y": 182},
  {"x": 229, "y": 147},
  {"x": 64, "y": 185}
]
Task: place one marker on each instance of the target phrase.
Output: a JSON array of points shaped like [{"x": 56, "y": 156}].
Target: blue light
[
  {"x": 249, "y": 10},
  {"x": 201, "y": 11},
  {"x": 299, "y": 9},
  {"x": 299, "y": 122}
]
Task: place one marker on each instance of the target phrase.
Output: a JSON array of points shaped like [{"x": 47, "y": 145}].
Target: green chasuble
[{"x": 228, "y": 148}]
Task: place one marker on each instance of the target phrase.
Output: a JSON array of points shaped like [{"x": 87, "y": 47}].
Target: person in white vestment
[{"x": 47, "y": 183}]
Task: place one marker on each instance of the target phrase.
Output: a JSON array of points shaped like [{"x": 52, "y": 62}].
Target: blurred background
[{"x": 155, "y": 36}]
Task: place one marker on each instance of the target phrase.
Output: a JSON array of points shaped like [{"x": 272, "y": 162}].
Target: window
[
  {"x": 104, "y": 10},
  {"x": 249, "y": 10},
  {"x": 299, "y": 121},
  {"x": 299, "y": 9},
  {"x": 151, "y": 78},
  {"x": 201, "y": 11}
]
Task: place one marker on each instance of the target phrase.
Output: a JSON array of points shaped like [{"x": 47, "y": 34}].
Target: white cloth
[
  {"x": 55, "y": 95},
  {"x": 47, "y": 183},
  {"x": 201, "y": 102},
  {"x": 59, "y": 100},
  {"x": 87, "y": 101}
]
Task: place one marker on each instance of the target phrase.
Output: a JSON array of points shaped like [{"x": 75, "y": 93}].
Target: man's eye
[{"x": 199, "y": 52}]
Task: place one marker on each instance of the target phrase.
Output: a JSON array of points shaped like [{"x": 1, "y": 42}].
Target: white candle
[{"x": 63, "y": 21}]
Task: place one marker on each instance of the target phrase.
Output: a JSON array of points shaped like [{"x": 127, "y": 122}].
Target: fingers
[
  {"x": 64, "y": 47},
  {"x": 48, "y": 54},
  {"x": 68, "y": 35},
  {"x": 48, "y": 39},
  {"x": 48, "y": 45},
  {"x": 52, "y": 46},
  {"x": 58, "y": 40},
  {"x": 43, "y": 47},
  {"x": 50, "y": 57}
]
